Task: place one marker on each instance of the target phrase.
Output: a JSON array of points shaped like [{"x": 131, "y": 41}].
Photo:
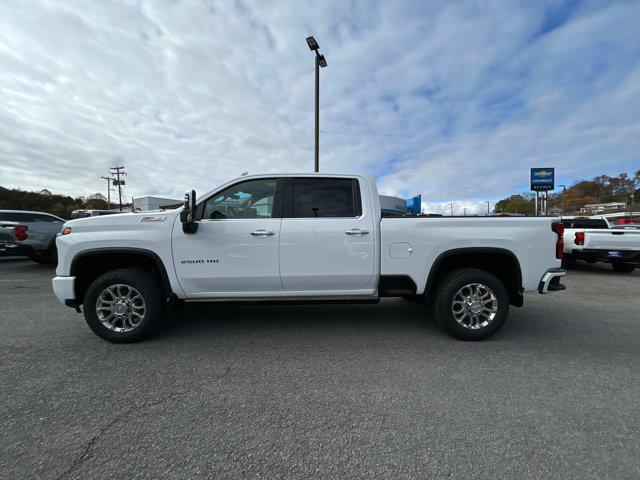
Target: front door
[
  {"x": 327, "y": 239},
  {"x": 234, "y": 253}
]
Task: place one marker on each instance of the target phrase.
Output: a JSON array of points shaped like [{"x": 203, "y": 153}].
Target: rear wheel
[
  {"x": 124, "y": 306},
  {"x": 623, "y": 267},
  {"x": 50, "y": 255},
  {"x": 470, "y": 303}
]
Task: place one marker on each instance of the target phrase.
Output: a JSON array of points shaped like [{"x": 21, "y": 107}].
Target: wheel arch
[
  {"x": 87, "y": 265},
  {"x": 500, "y": 262}
]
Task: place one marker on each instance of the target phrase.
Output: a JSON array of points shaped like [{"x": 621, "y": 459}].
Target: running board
[{"x": 287, "y": 301}]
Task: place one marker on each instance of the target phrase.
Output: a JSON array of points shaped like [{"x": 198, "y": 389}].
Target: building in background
[
  {"x": 595, "y": 208},
  {"x": 147, "y": 204},
  {"x": 392, "y": 206},
  {"x": 414, "y": 205}
]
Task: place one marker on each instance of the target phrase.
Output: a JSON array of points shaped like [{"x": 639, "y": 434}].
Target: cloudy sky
[{"x": 453, "y": 100}]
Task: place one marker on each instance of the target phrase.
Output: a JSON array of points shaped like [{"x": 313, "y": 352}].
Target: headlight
[{"x": 65, "y": 231}]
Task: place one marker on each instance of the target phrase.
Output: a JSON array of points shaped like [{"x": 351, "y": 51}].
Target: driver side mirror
[{"x": 188, "y": 214}]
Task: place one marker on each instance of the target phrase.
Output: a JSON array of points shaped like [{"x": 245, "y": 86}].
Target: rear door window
[{"x": 326, "y": 197}]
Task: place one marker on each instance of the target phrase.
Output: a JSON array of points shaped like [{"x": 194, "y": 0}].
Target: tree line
[
  {"x": 45, "y": 201},
  {"x": 602, "y": 189}
]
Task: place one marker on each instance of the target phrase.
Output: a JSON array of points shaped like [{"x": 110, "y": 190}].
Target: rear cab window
[
  {"x": 327, "y": 197},
  {"x": 593, "y": 223}
]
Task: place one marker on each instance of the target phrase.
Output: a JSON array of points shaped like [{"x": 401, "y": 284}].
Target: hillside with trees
[
  {"x": 602, "y": 189},
  {"x": 45, "y": 201}
]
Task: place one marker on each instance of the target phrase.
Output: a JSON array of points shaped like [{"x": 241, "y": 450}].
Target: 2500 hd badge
[{"x": 208, "y": 260}]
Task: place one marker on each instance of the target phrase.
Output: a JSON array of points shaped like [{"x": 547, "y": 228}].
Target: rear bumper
[
  {"x": 8, "y": 248},
  {"x": 550, "y": 281},
  {"x": 64, "y": 289},
  {"x": 608, "y": 255}
]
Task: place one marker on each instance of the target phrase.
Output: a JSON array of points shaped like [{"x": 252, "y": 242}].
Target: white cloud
[{"x": 454, "y": 101}]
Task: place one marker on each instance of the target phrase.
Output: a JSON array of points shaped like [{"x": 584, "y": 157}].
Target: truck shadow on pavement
[
  {"x": 351, "y": 320},
  {"x": 392, "y": 320}
]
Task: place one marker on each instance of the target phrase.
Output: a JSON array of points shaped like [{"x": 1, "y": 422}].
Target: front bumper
[
  {"x": 550, "y": 281},
  {"x": 606, "y": 255},
  {"x": 64, "y": 289}
]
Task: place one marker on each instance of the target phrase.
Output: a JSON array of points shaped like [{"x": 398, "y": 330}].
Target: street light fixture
[{"x": 320, "y": 61}]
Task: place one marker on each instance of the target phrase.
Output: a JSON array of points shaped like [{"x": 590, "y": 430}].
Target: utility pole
[
  {"x": 488, "y": 207},
  {"x": 537, "y": 201},
  {"x": 118, "y": 171},
  {"x": 564, "y": 191},
  {"x": 320, "y": 61},
  {"x": 108, "y": 179},
  {"x": 516, "y": 203},
  {"x": 464, "y": 212},
  {"x": 451, "y": 206}
]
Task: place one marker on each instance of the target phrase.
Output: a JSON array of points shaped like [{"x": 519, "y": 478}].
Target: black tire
[
  {"x": 41, "y": 256},
  {"x": 447, "y": 288},
  {"x": 149, "y": 288},
  {"x": 567, "y": 261},
  {"x": 623, "y": 267},
  {"x": 48, "y": 256}
]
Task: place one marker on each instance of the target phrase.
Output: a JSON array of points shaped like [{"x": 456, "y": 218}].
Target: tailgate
[
  {"x": 6, "y": 234},
  {"x": 612, "y": 239}
]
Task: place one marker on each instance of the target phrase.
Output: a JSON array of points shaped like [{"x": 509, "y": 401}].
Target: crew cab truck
[
  {"x": 591, "y": 239},
  {"x": 301, "y": 238}
]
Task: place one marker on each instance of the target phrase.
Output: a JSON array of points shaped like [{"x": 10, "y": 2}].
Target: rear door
[{"x": 326, "y": 238}]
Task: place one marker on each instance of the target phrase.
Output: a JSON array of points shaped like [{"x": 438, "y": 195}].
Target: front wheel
[
  {"x": 623, "y": 267},
  {"x": 470, "y": 303},
  {"x": 124, "y": 306}
]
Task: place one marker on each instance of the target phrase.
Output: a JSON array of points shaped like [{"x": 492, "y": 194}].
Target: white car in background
[{"x": 591, "y": 239}]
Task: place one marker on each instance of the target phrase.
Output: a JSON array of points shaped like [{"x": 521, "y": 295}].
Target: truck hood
[{"x": 123, "y": 221}]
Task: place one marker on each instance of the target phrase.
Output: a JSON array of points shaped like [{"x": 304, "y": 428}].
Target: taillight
[
  {"x": 558, "y": 228},
  {"x": 20, "y": 233},
  {"x": 579, "y": 238}
]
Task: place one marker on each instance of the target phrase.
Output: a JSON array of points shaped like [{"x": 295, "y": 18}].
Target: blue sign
[
  {"x": 542, "y": 179},
  {"x": 414, "y": 205}
]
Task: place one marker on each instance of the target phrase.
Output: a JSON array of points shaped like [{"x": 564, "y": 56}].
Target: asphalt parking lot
[{"x": 350, "y": 391}]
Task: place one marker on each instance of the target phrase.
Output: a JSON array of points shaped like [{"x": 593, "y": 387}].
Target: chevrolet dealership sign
[{"x": 542, "y": 179}]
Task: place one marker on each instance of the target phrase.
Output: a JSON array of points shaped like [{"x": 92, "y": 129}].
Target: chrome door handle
[
  {"x": 262, "y": 233},
  {"x": 356, "y": 231}
]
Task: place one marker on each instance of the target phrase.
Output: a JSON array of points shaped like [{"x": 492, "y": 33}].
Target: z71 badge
[{"x": 153, "y": 219}]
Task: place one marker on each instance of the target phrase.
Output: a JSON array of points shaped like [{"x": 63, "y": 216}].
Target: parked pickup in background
[
  {"x": 301, "y": 238},
  {"x": 30, "y": 234},
  {"x": 591, "y": 239}
]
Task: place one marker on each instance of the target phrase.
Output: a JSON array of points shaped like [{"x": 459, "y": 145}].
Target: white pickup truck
[
  {"x": 301, "y": 238},
  {"x": 593, "y": 239}
]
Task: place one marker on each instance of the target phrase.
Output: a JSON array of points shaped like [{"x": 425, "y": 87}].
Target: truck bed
[{"x": 410, "y": 243}]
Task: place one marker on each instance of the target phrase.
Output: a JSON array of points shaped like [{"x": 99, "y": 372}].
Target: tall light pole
[
  {"x": 487, "y": 207},
  {"x": 320, "y": 62},
  {"x": 564, "y": 190}
]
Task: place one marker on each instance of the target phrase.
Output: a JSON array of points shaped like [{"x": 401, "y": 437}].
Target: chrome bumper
[{"x": 550, "y": 281}]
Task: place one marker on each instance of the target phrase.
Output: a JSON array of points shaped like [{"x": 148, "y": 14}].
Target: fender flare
[
  {"x": 131, "y": 250},
  {"x": 466, "y": 250}
]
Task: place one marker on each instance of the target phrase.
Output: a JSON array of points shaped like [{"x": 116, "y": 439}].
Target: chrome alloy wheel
[
  {"x": 120, "y": 308},
  {"x": 474, "y": 306}
]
